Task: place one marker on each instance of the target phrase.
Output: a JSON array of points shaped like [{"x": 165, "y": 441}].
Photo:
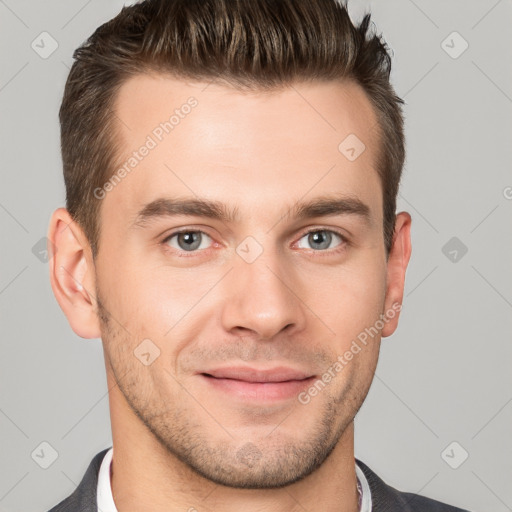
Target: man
[{"x": 231, "y": 171}]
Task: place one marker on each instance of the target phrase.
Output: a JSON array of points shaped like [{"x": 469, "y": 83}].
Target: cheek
[
  {"x": 352, "y": 300},
  {"x": 131, "y": 289},
  {"x": 156, "y": 302}
]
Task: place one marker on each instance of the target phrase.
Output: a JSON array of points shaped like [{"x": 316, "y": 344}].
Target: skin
[{"x": 179, "y": 442}]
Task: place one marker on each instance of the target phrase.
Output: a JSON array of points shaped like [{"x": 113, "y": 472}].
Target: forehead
[{"x": 179, "y": 138}]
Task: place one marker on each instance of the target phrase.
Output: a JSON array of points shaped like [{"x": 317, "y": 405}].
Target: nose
[{"x": 263, "y": 299}]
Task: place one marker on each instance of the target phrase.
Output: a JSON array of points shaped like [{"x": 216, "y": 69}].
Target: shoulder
[
  {"x": 83, "y": 498},
  {"x": 387, "y": 499}
]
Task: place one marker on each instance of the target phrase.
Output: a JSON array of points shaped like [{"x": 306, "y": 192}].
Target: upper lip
[{"x": 277, "y": 374}]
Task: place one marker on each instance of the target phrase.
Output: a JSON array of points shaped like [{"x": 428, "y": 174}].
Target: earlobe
[
  {"x": 72, "y": 274},
  {"x": 396, "y": 268}
]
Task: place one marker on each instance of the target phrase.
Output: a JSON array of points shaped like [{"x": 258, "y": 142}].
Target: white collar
[
  {"x": 104, "y": 492},
  {"x": 366, "y": 501},
  {"x": 106, "y": 500}
]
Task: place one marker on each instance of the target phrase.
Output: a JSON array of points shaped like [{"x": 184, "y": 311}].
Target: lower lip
[{"x": 260, "y": 391}]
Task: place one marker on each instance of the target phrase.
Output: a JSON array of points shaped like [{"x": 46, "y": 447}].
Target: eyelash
[{"x": 187, "y": 254}]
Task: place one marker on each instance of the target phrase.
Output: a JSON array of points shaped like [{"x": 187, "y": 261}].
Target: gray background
[{"x": 443, "y": 377}]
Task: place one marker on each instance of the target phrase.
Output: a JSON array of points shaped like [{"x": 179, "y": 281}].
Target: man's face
[{"x": 231, "y": 304}]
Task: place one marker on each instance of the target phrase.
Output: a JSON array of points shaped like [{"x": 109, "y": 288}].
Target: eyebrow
[{"x": 325, "y": 206}]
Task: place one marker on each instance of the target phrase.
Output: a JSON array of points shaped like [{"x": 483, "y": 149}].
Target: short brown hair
[{"x": 248, "y": 44}]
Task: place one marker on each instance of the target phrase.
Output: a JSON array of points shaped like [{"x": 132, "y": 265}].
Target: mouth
[{"x": 258, "y": 384}]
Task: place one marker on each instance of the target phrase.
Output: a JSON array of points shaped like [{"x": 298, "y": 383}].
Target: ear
[
  {"x": 398, "y": 260},
  {"x": 72, "y": 274}
]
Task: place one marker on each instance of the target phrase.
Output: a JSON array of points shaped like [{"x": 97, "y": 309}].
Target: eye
[
  {"x": 190, "y": 240},
  {"x": 321, "y": 239},
  {"x": 187, "y": 240}
]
